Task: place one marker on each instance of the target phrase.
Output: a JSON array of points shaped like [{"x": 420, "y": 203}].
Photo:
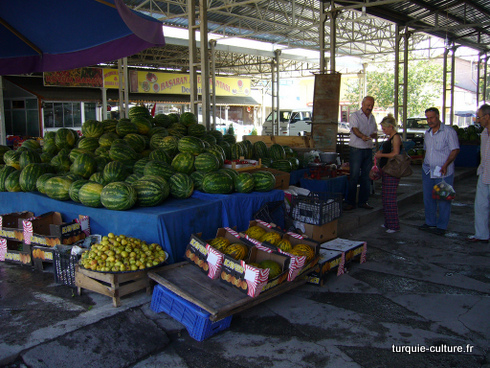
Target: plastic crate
[
  {"x": 195, "y": 319},
  {"x": 64, "y": 267},
  {"x": 318, "y": 208}
]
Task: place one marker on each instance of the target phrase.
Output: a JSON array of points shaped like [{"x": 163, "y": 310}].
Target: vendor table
[
  {"x": 217, "y": 298},
  {"x": 338, "y": 184},
  {"x": 170, "y": 224},
  {"x": 296, "y": 175}
]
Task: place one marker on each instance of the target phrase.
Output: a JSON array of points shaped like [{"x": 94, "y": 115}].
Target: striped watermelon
[
  {"x": 209, "y": 138},
  {"x": 217, "y": 134},
  {"x": 109, "y": 125},
  {"x": 84, "y": 165},
  {"x": 197, "y": 177},
  {"x": 160, "y": 154},
  {"x": 136, "y": 141},
  {"x": 236, "y": 151},
  {"x": 92, "y": 129},
  {"x": 177, "y": 129},
  {"x": 65, "y": 138},
  {"x": 143, "y": 124},
  {"x": 158, "y": 140},
  {"x": 75, "y": 188},
  {"x": 50, "y": 147},
  {"x": 244, "y": 182},
  {"x": 132, "y": 178},
  {"x": 4, "y": 173},
  {"x": 181, "y": 185},
  {"x": 103, "y": 151},
  {"x": 217, "y": 183},
  {"x": 232, "y": 173},
  {"x": 250, "y": 148},
  {"x": 120, "y": 152},
  {"x": 206, "y": 162},
  {"x": 229, "y": 138},
  {"x": 174, "y": 117},
  {"x": 125, "y": 127},
  {"x": 159, "y": 168},
  {"x": 276, "y": 152},
  {"x": 61, "y": 163},
  {"x": 170, "y": 145},
  {"x": 88, "y": 143},
  {"x": 226, "y": 148},
  {"x": 114, "y": 171},
  {"x": 32, "y": 144},
  {"x": 29, "y": 157},
  {"x": 98, "y": 177},
  {"x": 218, "y": 153},
  {"x": 72, "y": 176},
  {"x": 89, "y": 194},
  {"x": 191, "y": 144},
  {"x": 196, "y": 130},
  {"x": 139, "y": 111},
  {"x": 75, "y": 152},
  {"x": 58, "y": 187},
  {"x": 151, "y": 191},
  {"x": 163, "y": 120},
  {"x": 118, "y": 196},
  {"x": 29, "y": 176},
  {"x": 49, "y": 136},
  {"x": 288, "y": 151},
  {"x": 139, "y": 166},
  {"x": 11, "y": 158},
  {"x": 294, "y": 162},
  {"x": 41, "y": 181},
  {"x": 264, "y": 181},
  {"x": 282, "y": 165},
  {"x": 46, "y": 157},
  {"x": 101, "y": 162},
  {"x": 107, "y": 139},
  {"x": 188, "y": 118},
  {"x": 12, "y": 182},
  {"x": 158, "y": 130},
  {"x": 183, "y": 163}
]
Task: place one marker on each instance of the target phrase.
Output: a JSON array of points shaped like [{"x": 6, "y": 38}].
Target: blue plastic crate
[{"x": 195, "y": 319}]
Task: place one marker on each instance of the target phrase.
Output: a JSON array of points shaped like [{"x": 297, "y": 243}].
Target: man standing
[
  {"x": 482, "y": 198},
  {"x": 363, "y": 131},
  {"x": 441, "y": 147}
]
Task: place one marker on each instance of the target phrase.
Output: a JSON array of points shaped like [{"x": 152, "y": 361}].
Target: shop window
[
  {"x": 21, "y": 117},
  {"x": 67, "y": 114}
]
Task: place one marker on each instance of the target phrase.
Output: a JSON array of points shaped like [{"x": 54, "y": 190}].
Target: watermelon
[
  {"x": 157, "y": 130},
  {"x": 75, "y": 188},
  {"x": 92, "y": 129},
  {"x": 84, "y": 165},
  {"x": 244, "y": 182},
  {"x": 217, "y": 153},
  {"x": 139, "y": 111},
  {"x": 58, "y": 187},
  {"x": 50, "y": 147},
  {"x": 206, "y": 162},
  {"x": 177, "y": 129},
  {"x": 32, "y": 144},
  {"x": 282, "y": 165},
  {"x": 294, "y": 162},
  {"x": 136, "y": 141},
  {"x": 143, "y": 124},
  {"x": 181, "y": 185},
  {"x": 236, "y": 151},
  {"x": 107, "y": 139},
  {"x": 229, "y": 138},
  {"x": 217, "y": 134},
  {"x": 29, "y": 157},
  {"x": 264, "y": 181},
  {"x": 170, "y": 145},
  {"x": 75, "y": 152},
  {"x": 288, "y": 151},
  {"x": 29, "y": 176},
  {"x": 65, "y": 138},
  {"x": 159, "y": 168},
  {"x": 267, "y": 161},
  {"x": 50, "y": 136},
  {"x": 125, "y": 127},
  {"x": 109, "y": 125},
  {"x": 226, "y": 148},
  {"x": 160, "y": 154},
  {"x": 98, "y": 177},
  {"x": 88, "y": 143},
  {"x": 46, "y": 157},
  {"x": 132, "y": 178},
  {"x": 41, "y": 181},
  {"x": 175, "y": 118},
  {"x": 4, "y": 173},
  {"x": 89, "y": 194},
  {"x": 191, "y": 144},
  {"x": 208, "y": 138},
  {"x": 61, "y": 163},
  {"x": 101, "y": 161},
  {"x": 120, "y": 152},
  {"x": 217, "y": 183},
  {"x": 11, "y": 158},
  {"x": 163, "y": 120},
  {"x": 276, "y": 152},
  {"x": 102, "y": 151},
  {"x": 231, "y": 172},
  {"x": 197, "y": 177},
  {"x": 250, "y": 148},
  {"x": 151, "y": 191},
  {"x": 118, "y": 196},
  {"x": 12, "y": 182},
  {"x": 188, "y": 118},
  {"x": 196, "y": 130},
  {"x": 114, "y": 171},
  {"x": 72, "y": 176},
  {"x": 158, "y": 140},
  {"x": 183, "y": 163},
  {"x": 139, "y": 166}
]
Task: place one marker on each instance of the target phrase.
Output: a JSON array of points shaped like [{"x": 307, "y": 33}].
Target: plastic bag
[
  {"x": 443, "y": 191},
  {"x": 375, "y": 173}
]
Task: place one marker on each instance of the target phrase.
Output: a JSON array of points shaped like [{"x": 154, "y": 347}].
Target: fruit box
[
  {"x": 252, "y": 280},
  {"x": 15, "y": 252},
  {"x": 262, "y": 224},
  {"x": 207, "y": 258},
  {"x": 350, "y": 249},
  {"x": 42, "y": 258},
  {"x": 11, "y": 227},
  {"x": 328, "y": 261},
  {"x": 298, "y": 264},
  {"x": 49, "y": 230},
  {"x": 319, "y": 233}
]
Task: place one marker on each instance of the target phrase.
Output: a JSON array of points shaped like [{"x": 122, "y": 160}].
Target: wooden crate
[
  {"x": 291, "y": 141},
  {"x": 114, "y": 285}
]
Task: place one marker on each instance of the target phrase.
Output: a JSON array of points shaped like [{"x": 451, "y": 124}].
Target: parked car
[
  {"x": 292, "y": 122},
  {"x": 416, "y": 128}
]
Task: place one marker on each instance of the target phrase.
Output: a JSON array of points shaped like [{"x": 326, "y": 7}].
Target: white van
[{"x": 292, "y": 122}]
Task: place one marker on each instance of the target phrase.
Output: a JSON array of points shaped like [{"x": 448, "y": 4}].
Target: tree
[{"x": 424, "y": 86}]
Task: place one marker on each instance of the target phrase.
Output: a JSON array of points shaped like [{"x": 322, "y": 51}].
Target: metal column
[
  {"x": 193, "y": 62},
  {"x": 401, "y": 115},
  {"x": 445, "y": 87},
  {"x": 122, "y": 67},
  {"x": 3, "y": 133},
  {"x": 323, "y": 19},
  {"x": 212, "y": 43},
  {"x": 275, "y": 70}
]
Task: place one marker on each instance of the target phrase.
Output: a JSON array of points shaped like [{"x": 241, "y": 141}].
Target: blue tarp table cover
[
  {"x": 238, "y": 208},
  {"x": 332, "y": 185},
  {"x": 170, "y": 224},
  {"x": 296, "y": 175}
]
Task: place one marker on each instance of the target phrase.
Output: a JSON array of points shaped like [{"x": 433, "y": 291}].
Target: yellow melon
[{"x": 271, "y": 237}]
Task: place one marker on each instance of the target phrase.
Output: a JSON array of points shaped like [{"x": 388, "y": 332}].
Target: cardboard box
[
  {"x": 11, "y": 227},
  {"x": 350, "y": 249},
  {"x": 207, "y": 258},
  {"x": 319, "y": 233},
  {"x": 42, "y": 258},
  {"x": 252, "y": 280},
  {"x": 263, "y": 225},
  {"x": 15, "y": 252},
  {"x": 328, "y": 261},
  {"x": 49, "y": 230}
]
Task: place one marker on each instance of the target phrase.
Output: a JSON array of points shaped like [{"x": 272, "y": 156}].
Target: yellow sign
[{"x": 169, "y": 83}]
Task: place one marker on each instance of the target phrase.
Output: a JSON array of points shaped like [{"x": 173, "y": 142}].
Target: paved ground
[{"x": 416, "y": 291}]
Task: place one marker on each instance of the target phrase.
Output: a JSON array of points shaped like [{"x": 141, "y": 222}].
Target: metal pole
[
  {"x": 444, "y": 83},
  {"x": 333, "y": 39},
  {"x": 275, "y": 113},
  {"x": 278, "y": 53},
  {"x": 405, "y": 83},
  {"x": 323, "y": 19},
  {"x": 213, "y": 80},
  {"x": 478, "y": 80},
  {"x": 3, "y": 133},
  {"x": 203, "y": 11},
  {"x": 191, "y": 6},
  {"x": 453, "y": 67},
  {"x": 397, "y": 73},
  {"x": 126, "y": 88}
]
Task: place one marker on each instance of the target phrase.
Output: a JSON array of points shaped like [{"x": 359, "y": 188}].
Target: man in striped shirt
[
  {"x": 441, "y": 147},
  {"x": 482, "y": 198}
]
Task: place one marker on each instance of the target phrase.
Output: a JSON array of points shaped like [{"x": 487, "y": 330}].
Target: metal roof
[{"x": 365, "y": 29}]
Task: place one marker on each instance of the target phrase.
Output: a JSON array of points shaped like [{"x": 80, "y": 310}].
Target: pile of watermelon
[{"x": 136, "y": 161}]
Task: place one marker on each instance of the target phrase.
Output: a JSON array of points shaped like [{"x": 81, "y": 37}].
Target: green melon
[
  {"x": 75, "y": 188},
  {"x": 29, "y": 157},
  {"x": 88, "y": 143},
  {"x": 58, "y": 187},
  {"x": 150, "y": 191},
  {"x": 217, "y": 183},
  {"x": 118, "y": 196},
  {"x": 264, "y": 181},
  {"x": 41, "y": 181},
  {"x": 92, "y": 129},
  {"x": 206, "y": 162},
  {"x": 188, "y": 118},
  {"x": 191, "y": 144},
  {"x": 114, "y": 171},
  {"x": 143, "y": 124},
  {"x": 244, "y": 182},
  {"x": 181, "y": 185},
  {"x": 29, "y": 176},
  {"x": 65, "y": 138},
  {"x": 183, "y": 162},
  {"x": 4, "y": 173},
  {"x": 12, "y": 182},
  {"x": 89, "y": 194}
]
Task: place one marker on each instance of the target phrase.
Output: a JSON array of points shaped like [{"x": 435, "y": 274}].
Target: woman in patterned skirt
[{"x": 390, "y": 148}]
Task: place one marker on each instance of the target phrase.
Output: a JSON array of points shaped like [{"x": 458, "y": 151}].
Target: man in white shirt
[
  {"x": 482, "y": 198},
  {"x": 363, "y": 131}
]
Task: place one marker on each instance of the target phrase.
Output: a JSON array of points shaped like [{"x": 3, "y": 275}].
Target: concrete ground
[{"x": 416, "y": 291}]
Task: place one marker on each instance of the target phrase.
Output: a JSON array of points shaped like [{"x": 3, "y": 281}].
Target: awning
[{"x": 35, "y": 86}]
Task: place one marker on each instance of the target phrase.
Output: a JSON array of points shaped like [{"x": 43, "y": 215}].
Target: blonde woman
[{"x": 390, "y": 148}]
